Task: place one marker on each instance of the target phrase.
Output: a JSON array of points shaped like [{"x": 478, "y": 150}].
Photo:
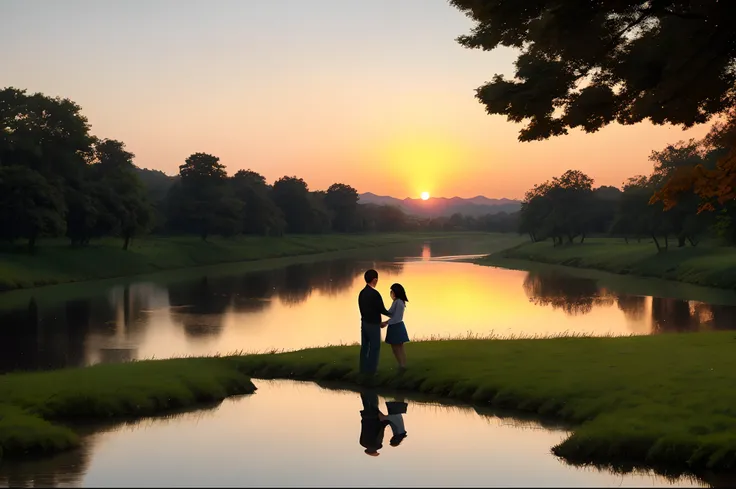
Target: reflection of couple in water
[{"x": 373, "y": 423}]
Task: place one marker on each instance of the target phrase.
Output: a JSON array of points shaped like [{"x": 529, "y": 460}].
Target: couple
[
  {"x": 373, "y": 423},
  {"x": 371, "y": 307}
]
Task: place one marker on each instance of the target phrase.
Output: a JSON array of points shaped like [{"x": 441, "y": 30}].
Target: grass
[
  {"x": 32, "y": 403},
  {"x": 709, "y": 266},
  {"x": 56, "y": 262},
  {"x": 663, "y": 401}
]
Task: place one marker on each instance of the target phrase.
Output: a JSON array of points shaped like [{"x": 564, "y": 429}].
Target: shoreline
[
  {"x": 649, "y": 402},
  {"x": 60, "y": 264},
  {"x": 712, "y": 267}
]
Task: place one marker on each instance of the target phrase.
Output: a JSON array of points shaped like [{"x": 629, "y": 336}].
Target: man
[
  {"x": 371, "y": 307},
  {"x": 372, "y": 424}
]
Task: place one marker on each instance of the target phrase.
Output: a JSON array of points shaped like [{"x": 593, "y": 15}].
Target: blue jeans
[{"x": 370, "y": 347}]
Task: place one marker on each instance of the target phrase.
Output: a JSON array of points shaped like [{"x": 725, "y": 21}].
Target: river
[
  {"x": 301, "y": 434},
  {"x": 311, "y": 301}
]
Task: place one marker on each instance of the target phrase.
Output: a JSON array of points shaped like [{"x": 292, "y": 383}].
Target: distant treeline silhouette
[
  {"x": 57, "y": 179},
  {"x": 569, "y": 208}
]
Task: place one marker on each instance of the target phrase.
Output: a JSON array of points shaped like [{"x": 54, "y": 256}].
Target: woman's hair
[{"x": 399, "y": 292}]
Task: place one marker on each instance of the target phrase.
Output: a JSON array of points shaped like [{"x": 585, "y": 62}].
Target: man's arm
[{"x": 380, "y": 307}]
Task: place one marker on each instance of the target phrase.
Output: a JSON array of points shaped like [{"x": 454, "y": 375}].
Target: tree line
[
  {"x": 568, "y": 208},
  {"x": 58, "y": 179}
]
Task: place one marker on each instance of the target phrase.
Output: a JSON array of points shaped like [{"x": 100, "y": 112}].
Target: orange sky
[{"x": 374, "y": 94}]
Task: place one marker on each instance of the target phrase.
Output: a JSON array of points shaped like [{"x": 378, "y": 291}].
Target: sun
[{"x": 425, "y": 195}]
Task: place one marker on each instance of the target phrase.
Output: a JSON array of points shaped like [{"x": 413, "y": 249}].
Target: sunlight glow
[{"x": 425, "y": 195}]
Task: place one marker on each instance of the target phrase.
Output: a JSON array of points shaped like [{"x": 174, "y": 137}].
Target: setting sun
[{"x": 425, "y": 196}]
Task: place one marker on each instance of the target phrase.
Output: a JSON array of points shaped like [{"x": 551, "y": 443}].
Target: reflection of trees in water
[
  {"x": 674, "y": 315},
  {"x": 575, "y": 296},
  {"x": 579, "y": 296},
  {"x": 296, "y": 283},
  {"x": 203, "y": 303},
  {"x": 67, "y": 333},
  {"x": 634, "y": 307},
  {"x": 63, "y": 469}
]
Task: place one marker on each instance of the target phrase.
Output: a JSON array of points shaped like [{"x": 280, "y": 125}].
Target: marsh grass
[{"x": 648, "y": 401}]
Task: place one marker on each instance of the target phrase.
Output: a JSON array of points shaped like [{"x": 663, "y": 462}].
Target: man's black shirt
[{"x": 371, "y": 305}]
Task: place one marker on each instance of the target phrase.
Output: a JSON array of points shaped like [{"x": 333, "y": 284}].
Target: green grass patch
[
  {"x": 709, "y": 266},
  {"x": 31, "y": 402},
  {"x": 56, "y": 262},
  {"x": 652, "y": 401}
]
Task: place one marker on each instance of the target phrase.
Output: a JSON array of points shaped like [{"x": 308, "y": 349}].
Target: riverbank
[
  {"x": 34, "y": 406},
  {"x": 650, "y": 401},
  {"x": 56, "y": 262},
  {"x": 708, "y": 266},
  {"x": 653, "y": 401}
]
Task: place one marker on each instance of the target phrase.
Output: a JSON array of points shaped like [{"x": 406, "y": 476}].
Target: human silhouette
[
  {"x": 372, "y": 424},
  {"x": 395, "y": 419}
]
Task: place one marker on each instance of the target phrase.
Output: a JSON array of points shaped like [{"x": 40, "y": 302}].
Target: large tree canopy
[{"x": 587, "y": 63}]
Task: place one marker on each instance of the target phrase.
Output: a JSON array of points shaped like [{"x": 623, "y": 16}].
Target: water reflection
[
  {"x": 313, "y": 304},
  {"x": 373, "y": 422},
  {"x": 232, "y": 446},
  {"x": 580, "y": 296}
]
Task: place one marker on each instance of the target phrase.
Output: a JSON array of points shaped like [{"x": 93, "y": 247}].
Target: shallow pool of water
[{"x": 301, "y": 434}]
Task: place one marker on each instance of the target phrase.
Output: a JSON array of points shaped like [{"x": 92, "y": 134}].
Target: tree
[
  {"x": 261, "y": 215},
  {"x": 291, "y": 195},
  {"x": 589, "y": 63},
  {"x": 342, "y": 200},
  {"x": 30, "y": 206},
  {"x": 48, "y": 135},
  {"x": 201, "y": 201},
  {"x": 120, "y": 191}
]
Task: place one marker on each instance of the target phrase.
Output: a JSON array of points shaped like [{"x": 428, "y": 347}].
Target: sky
[{"x": 373, "y": 93}]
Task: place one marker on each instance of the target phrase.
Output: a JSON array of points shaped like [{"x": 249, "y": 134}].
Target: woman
[{"x": 396, "y": 334}]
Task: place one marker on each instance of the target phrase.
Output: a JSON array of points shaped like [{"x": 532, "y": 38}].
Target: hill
[{"x": 442, "y": 206}]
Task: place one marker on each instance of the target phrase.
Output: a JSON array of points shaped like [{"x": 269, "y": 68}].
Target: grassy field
[
  {"x": 704, "y": 265},
  {"x": 56, "y": 262},
  {"x": 32, "y": 404},
  {"x": 656, "y": 401}
]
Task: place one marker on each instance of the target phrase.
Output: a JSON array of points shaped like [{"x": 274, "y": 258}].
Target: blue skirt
[{"x": 396, "y": 334}]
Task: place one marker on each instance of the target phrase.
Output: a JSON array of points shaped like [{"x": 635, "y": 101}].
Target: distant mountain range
[
  {"x": 442, "y": 206},
  {"x": 158, "y": 183}
]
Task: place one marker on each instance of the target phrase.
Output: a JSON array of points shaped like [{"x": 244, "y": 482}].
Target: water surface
[
  {"x": 314, "y": 303},
  {"x": 300, "y": 434}
]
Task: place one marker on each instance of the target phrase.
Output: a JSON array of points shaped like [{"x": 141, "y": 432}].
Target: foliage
[
  {"x": 342, "y": 200},
  {"x": 30, "y": 206},
  {"x": 562, "y": 209},
  {"x": 65, "y": 181},
  {"x": 585, "y": 64}
]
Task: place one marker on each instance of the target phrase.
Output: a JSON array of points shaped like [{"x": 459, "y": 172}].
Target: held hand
[{"x": 384, "y": 324}]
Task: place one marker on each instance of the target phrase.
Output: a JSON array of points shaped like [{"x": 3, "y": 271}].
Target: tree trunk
[
  {"x": 681, "y": 241},
  {"x": 582, "y": 238},
  {"x": 666, "y": 242},
  {"x": 126, "y": 242},
  {"x": 626, "y": 239},
  {"x": 693, "y": 242}
]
